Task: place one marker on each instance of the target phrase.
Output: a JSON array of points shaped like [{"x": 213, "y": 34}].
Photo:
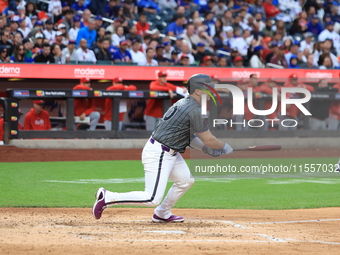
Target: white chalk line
[
  {"x": 235, "y": 225},
  {"x": 293, "y": 221},
  {"x": 130, "y": 180}
]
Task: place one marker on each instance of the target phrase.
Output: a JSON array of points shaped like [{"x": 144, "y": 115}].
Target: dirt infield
[
  {"x": 130, "y": 230},
  {"x": 14, "y": 154}
]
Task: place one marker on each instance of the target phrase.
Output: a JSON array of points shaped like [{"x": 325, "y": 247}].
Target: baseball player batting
[{"x": 181, "y": 126}]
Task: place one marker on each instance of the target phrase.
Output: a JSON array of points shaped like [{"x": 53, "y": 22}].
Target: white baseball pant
[{"x": 159, "y": 165}]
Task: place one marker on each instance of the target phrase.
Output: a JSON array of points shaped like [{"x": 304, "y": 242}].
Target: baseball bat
[{"x": 260, "y": 148}]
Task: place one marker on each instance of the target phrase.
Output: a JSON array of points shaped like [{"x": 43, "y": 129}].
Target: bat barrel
[{"x": 260, "y": 148}]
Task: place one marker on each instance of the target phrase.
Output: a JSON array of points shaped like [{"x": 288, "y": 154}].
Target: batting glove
[{"x": 226, "y": 149}]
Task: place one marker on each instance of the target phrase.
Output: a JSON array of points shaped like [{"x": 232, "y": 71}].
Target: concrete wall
[{"x": 286, "y": 143}]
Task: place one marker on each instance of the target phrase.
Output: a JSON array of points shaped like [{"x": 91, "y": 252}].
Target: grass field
[{"x": 73, "y": 184}]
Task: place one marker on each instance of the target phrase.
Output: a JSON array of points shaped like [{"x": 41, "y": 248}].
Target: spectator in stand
[
  {"x": 184, "y": 60},
  {"x": 79, "y": 5},
  {"x": 220, "y": 8},
  {"x": 101, "y": 34},
  {"x": 49, "y": 32},
  {"x": 28, "y": 46},
  {"x": 310, "y": 63},
  {"x": 325, "y": 62},
  {"x": 129, "y": 10},
  {"x": 45, "y": 56},
  {"x": 37, "y": 118},
  {"x": 13, "y": 26},
  {"x": 122, "y": 55},
  {"x": 19, "y": 55},
  {"x": 201, "y": 52},
  {"x": 154, "y": 109},
  {"x": 267, "y": 30},
  {"x": 31, "y": 10},
  {"x": 174, "y": 57},
  {"x": 69, "y": 53},
  {"x": 99, "y": 22},
  {"x": 256, "y": 60},
  {"x": 208, "y": 61},
  {"x": 293, "y": 62},
  {"x": 279, "y": 57},
  {"x": 88, "y": 33},
  {"x": 104, "y": 53},
  {"x": 293, "y": 50},
  {"x": 334, "y": 112},
  {"x": 85, "y": 18},
  {"x": 22, "y": 15},
  {"x": 238, "y": 62},
  {"x": 5, "y": 43},
  {"x": 257, "y": 7},
  {"x": 118, "y": 36},
  {"x": 167, "y": 49},
  {"x": 117, "y": 84},
  {"x": 176, "y": 28},
  {"x": 132, "y": 35},
  {"x": 222, "y": 62},
  {"x": 110, "y": 7},
  {"x": 3, "y": 55},
  {"x": 85, "y": 107},
  {"x": 23, "y": 28},
  {"x": 329, "y": 33},
  {"x": 150, "y": 61},
  {"x": 84, "y": 54},
  {"x": 142, "y": 25},
  {"x": 162, "y": 61},
  {"x": 187, "y": 50},
  {"x": 68, "y": 19},
  {"x": 307, "y": 43},
  {"x": 57, "y": 54},
  {"x": 190, "y": 36},
  {"x": 325, "y": 47},
  {"x": 270, "y": 9},
  {"x": 314, "y": 26},
  {"x": 39, "y": 37},
  {"x": 98, "y": 7},
  {"x": 73, "y": 32},
  {"x": 205, "y": 38},
  {"x": 180, "y": 11},
  {"x": 136, "y": 55},
  {"x": 55, "y": 8},
  {"x": 59, "y": 39},
  {"x": 320, "y": 108}
]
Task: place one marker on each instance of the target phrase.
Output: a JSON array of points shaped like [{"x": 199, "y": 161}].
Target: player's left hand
[{"x": 211, "y": 152}]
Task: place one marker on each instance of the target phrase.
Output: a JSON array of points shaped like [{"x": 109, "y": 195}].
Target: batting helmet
[{"x": 199, "y": 81}]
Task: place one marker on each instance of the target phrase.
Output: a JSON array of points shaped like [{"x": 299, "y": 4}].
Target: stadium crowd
[{"x": 223, "y": 33}]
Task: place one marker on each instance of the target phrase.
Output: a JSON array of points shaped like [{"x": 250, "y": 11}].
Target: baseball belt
[{"x": 164, "y": 148}]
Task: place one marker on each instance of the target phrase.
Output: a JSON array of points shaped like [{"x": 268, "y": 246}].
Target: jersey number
[{"x": 171, "y": 113}]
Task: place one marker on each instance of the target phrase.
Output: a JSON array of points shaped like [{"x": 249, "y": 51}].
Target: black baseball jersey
[{"x": 180, "y": 123}]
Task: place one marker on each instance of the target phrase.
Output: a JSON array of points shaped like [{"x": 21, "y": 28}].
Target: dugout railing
[{"x": 12, "y": 102}]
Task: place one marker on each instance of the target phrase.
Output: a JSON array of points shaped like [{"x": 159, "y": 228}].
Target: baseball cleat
[
  {"x": 99, "y": 204},
  {"x": 172, "y": 218}
]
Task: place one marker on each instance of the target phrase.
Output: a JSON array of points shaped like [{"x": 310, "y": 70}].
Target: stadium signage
[
  {"x": 244, "y": 74},
  {"x": 89, "y": 72},
  {"x": 319, "y": 75},
  {"x": 9, "y": 71},
  {"x": 105, "y": 93}
]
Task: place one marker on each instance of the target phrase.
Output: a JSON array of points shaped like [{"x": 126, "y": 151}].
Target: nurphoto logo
[{"x": 238, "y": 104}]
